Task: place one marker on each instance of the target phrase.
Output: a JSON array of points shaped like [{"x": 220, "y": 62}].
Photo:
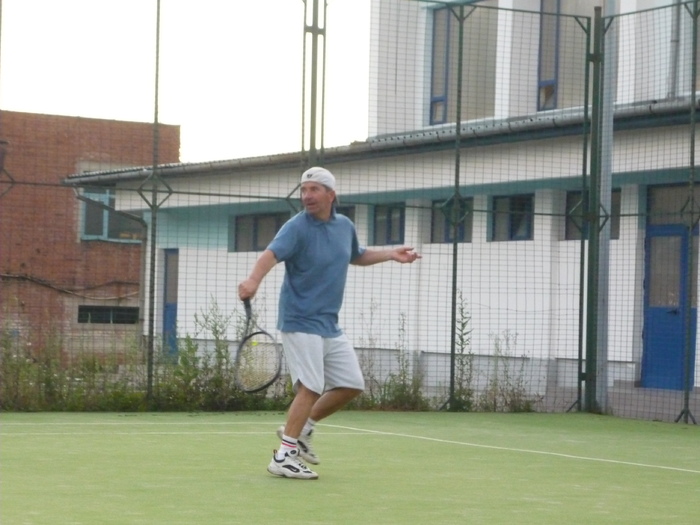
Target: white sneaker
[
  {"x": 290, "y": 467},
  {"x": 306, "y": 451}
]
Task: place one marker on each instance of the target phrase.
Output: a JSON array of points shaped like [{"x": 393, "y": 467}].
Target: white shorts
[{"x": 321, "y": 363}]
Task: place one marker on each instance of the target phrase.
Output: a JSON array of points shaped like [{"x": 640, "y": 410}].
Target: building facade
[
  {"x": 499, "y": 206},
  {"x": 70, "y": 268}
]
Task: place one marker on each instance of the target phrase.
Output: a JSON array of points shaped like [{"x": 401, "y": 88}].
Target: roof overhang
[{"x": 542, "y": 125}]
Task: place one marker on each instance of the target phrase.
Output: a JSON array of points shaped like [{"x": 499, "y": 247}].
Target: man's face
[{"x": 317, "y": 200}]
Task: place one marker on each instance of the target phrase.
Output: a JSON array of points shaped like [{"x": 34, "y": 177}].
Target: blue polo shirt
[{"x": 316, "y": 257}]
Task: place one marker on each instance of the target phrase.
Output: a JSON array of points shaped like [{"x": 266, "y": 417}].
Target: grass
[{"x": 377, "y": 467}]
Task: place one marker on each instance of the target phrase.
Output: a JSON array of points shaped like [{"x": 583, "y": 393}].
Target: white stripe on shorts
[{"x": 322, "y": 363}]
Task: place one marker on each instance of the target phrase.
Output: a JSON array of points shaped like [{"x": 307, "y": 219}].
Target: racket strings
[{"x": 257, "y": 362}]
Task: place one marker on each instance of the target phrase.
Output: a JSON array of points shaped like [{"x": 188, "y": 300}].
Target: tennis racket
[{"x": 259, "y": 358}]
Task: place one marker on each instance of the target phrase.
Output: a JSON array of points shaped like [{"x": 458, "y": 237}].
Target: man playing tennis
[{"x": 317, "y": 246}]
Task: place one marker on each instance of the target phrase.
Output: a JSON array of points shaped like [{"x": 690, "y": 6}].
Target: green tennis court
[{"x": 377, "y": 468}]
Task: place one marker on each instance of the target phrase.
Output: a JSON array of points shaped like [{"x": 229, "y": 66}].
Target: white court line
[
  {"x": 155, "y": 433},
  {"x": 357, "y": 430},
  {"x": 130, "y": 423},
  {"x": 522, "y": 450}
]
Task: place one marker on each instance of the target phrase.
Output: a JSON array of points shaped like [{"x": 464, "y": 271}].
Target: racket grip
[{"x": 248, "y": 308}]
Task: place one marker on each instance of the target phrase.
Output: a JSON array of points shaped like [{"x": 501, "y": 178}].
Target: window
[
  {"x": 108, "y": 314},
  {"x": 442, "y": 220},
  {"x": 348, "y": 211},
  {"x": 576, "y": 207},
  {"x": 252, "y": 233},
  {"x": 388, "y": 224},
  {"x": 101, "y": 223},
  {"x": 549, "y": 55},
  {"x": 561, "y": 61},
  {"x": 478, "y": 80},
  {"x": 513, "y": 218}
]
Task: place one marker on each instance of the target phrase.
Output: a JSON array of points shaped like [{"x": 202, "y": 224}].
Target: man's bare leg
[
  {"x": 300, "y": 410},
  {"x": 332, "y": 401},
  {"x": 308, "y": 403}
]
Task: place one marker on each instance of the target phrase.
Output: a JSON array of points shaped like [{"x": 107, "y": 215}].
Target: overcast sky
[{"x": 230, "y": 70}]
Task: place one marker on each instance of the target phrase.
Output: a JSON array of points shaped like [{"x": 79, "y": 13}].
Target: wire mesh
[{"x": 493, "y": 317}]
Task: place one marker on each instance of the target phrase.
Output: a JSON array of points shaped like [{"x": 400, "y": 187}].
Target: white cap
[{"x": 320, "y": 175}]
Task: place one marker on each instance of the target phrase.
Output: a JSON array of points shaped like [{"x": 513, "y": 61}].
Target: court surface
[{"x": 376, "y": 468}]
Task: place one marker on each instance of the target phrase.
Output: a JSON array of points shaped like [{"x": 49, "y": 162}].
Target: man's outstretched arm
[{"x": 402, "y": 254}]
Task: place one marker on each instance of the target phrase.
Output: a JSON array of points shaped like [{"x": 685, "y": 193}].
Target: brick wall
[{"x": 45, "y": 268}]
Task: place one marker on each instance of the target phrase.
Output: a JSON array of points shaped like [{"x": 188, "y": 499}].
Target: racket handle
[{"x": 248, "y": 308}]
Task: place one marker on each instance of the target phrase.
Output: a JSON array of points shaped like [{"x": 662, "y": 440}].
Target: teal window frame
[
  {"x": 99, "y": 223},
  {"x": 253, "y": 232},
  {"x": 389, "y": 222},
  {"x": 512, "y": 217}
]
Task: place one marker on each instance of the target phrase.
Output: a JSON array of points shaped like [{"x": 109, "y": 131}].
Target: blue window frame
[
  {"x": 444, "y": 215},
  {"x": 99, "y": 223},
  {"x": 548, "y": 66},
  {"x": 479, "y": 44},
  {"x": 513, "y": 218},
  {"x": 440, "y": 70},
  {"x": 253, "y": 232},
  {"x": 389, "y": 223}
]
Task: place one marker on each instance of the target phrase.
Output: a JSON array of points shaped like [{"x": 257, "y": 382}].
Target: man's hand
[
  {"x": 247, "y": 289},
  {"x": 404, "y": 254}
]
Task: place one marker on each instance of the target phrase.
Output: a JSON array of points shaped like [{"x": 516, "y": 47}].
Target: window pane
[
  {"x": 438, "y": 224},
  {"x": 396, "y": 222},
  {"x": 121, "y": 227},
  {"x": 94, "y": 314},
  {"x": 266, "y": 230},
  {"x": 479, "y": 33},
  {"x": 244, "y": 233},
  {"x": 380, "y": 224},
  {"x": 667, "y": 204},
  {"x": 388, "y": 224},
  {"x": 348, "y": 211},
  {"x": 575, "y": 207},
  {"x": 500, "y": 219},
  {"x": 521, "y": 217},
  {"x": 467, "y": 222},
  {"x": 125, "y": 315},
  {"x": 548, "y": 44},
  {"x": 442, "y": 220},
  {"x": 94, "y": 219},
  {"x": 512, "y": 218},
  {"x": 547, "y": 96},
  {"x": 440, "y": 36},
  {"x": 664, "y": 271},
  {"x": 108, "y": 314}
]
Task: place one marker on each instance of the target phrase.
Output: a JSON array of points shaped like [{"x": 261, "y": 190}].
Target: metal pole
[
  {"x": 593, "y": 218},
  {"x": 609, "y": 66},
  {"x": 456, "y": 215},
  {"x": 689, "y": 321},
  {"x": 582, "y": 252},
  {"x": 153, "y": 228},
  {"x": 313, "y": 113}
]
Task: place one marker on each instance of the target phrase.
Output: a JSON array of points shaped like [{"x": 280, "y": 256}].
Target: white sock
[
  {"x": 308, "y": 427},
  {"x": 288, "y": 444}
]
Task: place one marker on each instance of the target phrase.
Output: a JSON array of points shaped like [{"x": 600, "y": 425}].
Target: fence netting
[{"x": 540, "y": 161}]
